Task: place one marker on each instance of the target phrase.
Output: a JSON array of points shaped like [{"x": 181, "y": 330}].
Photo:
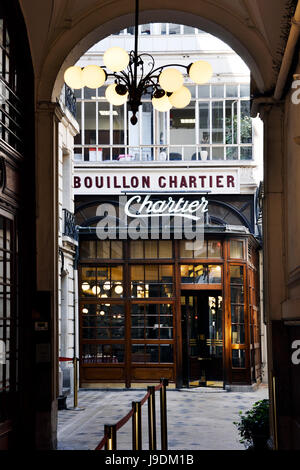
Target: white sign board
[{"x": 95, "y": 181}]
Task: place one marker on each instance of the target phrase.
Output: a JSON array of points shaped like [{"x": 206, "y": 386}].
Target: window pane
[
  {"x": 165, "y": 249},
  {"x": 166, "y": 273},
  {"x": 238, "y": 358},
  {"x": 238, "y": 334},
  {"x": 118, "y": 125},
  {"x": 116, "y": 250},
  {"x": 175, "y": 153},
  {"x": 188, "y": 30},
  {"x": 245, "y": 91},
  {"x": 145, "y": 29},
  {"x": 151, "y": 273},
  {"x": 214, "y": 249},
  {"x": 166, "y": 353},
  {"x": 201, "y": 274},
  {"x": 98, "y": 353},
  {"x": 232, "y": 153},
  {"x": 236, "y": 249},
  {"x": 138, "y": 353},
  {"x": 147, "y": 125},
  {"x": 89, "y": 286},
  {"x": 90, "y": 123},
  {"x": 237, "y": 314},
  {"x": 200, "y": 249},
  {"x": 218, "y": 153},
  {"x": 246, "y": 153},
  {"x": 103, "y": 249},
  {"x": 237, "y": 294},
  {"x": 217, "y": 122},
  {"x": 151, "y": 249},
  {"x": 162, "y": 128},
  {"x": 137, "y": 273},
  {"x": 231, "y": 91},
  {"x": 215, "y": 274},
  {"x": 152, "y": 353},
  {"x": 203, "y": 91},
  {"x": 103, "y": 122},
  {"x": 117, "y": 273},
  {"x": 137, "y": 249},
  {"x": 246, "y": 123},
  {"x": 174, "y": 29},
  {"x": 182, "y": 125},
  {"x": 217, "y": 91},
  {"x": 204, "y": 123},
  {"x": 231, "y": 108},
  {"x": 88, "y": 249},
  {"x": 186, "y": 249},
  {"x": 187, "y": 274}
]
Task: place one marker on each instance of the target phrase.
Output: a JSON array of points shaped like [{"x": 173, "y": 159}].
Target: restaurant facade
[
  {"x": 166, "y": 211},
  {"x": 160, "y": 296}
]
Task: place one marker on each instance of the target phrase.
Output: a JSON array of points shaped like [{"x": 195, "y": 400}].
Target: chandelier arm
[
  {"x": 152, "y": 60},
  {"x": 130, "y": 72},
  {"x": 170, "y": 65}
]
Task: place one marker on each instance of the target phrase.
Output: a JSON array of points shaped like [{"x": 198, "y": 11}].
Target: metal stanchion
[
  {"x": 163, "y": 414},
  {"x": 75, "y": 385},
  {"x": 137, "y": 426},
  {"x": 151, "y": 419},
  {"x": 110, "y": 432},
  {"x": 75, "y": 371}
]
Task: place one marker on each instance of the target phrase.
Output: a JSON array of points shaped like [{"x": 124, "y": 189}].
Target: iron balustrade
[
  {"x": 70, "y": 100},
  {"x": 70, "y": 228}
]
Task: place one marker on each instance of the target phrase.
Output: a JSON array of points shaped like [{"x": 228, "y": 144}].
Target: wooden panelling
[
  {"x": 102, "y": 373},
  {"x": 146, "y": 373}
]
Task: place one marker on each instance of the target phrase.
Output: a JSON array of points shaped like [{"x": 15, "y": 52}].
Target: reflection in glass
[
  {"x": 99, "y": 353},
  {"x": 236, "y": 249},
  {"x": 238, "y": 358},
  {"x": 217, "y": 122},
  {"x": 90, "y": 123}
]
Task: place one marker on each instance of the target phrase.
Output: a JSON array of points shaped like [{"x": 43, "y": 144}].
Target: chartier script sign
[{"x": 121, "y": 181}]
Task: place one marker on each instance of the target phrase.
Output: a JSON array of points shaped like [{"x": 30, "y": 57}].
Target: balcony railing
[
  {"x": 70, "y": 229},
  {"x": 70, "y": 100},
  {"x": 160, "y": 153}
]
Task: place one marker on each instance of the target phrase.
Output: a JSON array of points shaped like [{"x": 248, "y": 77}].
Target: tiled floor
[{"x": 198, "y": 419}]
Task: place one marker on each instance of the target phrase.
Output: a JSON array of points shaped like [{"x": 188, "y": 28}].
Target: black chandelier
[{"x": 132, "y": 81}]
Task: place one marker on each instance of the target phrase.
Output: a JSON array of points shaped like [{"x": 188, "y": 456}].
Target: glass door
[{"x": 202, "y": 332}]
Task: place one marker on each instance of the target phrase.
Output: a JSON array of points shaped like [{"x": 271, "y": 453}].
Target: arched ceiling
[{"x": 60, "y": 31}]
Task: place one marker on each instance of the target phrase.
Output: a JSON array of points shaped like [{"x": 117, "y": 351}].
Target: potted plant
[{"x": 253, "y": 426}]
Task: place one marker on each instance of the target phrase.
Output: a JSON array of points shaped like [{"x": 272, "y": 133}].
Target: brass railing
[{"x": 109, "y": 441}]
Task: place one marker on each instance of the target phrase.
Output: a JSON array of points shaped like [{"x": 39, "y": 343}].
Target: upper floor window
[
  {"x": 10, "y": 104},
  {"x": 216, "y": 125},
  {"x": 160, "y": 29}
]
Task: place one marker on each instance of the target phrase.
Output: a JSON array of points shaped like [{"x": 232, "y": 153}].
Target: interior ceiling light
[
  {"x": 118, "y": 289},
  {"x": 131, "y": 81},
  {"x": 106, "y": 285},
  {"x": 96, "y": 290},
  {"x": 85, "y": 286}
]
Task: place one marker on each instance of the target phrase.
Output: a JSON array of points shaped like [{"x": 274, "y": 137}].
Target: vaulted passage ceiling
[{"x": 60, "y": 31}]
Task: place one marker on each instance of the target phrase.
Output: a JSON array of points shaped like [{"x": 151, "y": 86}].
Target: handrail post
[
  {"x": 137, "y": 426},
  {"x": 163, "y": 414},
  {"x": 110, "y": 432},
  {"x": 151, "y": 418},
  {"x": 75, "y": 373}
]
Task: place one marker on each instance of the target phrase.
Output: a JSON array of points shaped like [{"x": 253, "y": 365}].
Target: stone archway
[{"x": 70, "y": 37}]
